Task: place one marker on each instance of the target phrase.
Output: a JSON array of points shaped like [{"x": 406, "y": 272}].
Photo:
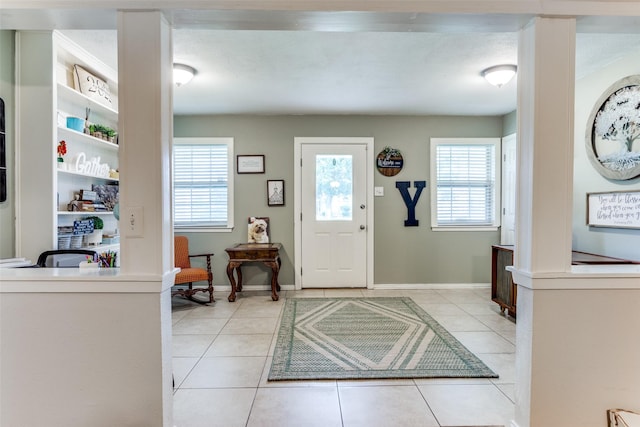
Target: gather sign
[{"x": 92, "y": 166}]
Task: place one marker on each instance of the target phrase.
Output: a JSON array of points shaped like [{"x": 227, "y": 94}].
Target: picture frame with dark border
[
  {"x": 275, "y": 192},
  {"x": 250, "y": 163}
]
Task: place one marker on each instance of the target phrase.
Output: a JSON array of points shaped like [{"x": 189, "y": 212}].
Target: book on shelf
[{"x": 93, "y": 207}]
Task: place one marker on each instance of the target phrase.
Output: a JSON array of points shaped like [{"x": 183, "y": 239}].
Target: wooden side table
[{"x": 266, "y": 253}]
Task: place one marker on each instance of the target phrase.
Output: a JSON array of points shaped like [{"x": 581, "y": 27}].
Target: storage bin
[
  {"x": 110, "y": 240},
  {"x": 64, "y": 241},
  {"x": 76, "y": 241},
  {"x": 75, "y": 123}
]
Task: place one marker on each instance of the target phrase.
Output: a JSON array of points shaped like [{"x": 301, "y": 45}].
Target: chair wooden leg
[
  {"x": 191, "y": 291},
  {"x": 211, "y": 291}
]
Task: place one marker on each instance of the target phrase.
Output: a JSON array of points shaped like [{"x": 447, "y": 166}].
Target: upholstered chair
[{"x": 188, "y": 274}]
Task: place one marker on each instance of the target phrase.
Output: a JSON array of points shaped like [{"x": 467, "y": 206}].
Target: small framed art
[
  {"x": 275, "y": 192},
  {"x": 250, "y": 163}
]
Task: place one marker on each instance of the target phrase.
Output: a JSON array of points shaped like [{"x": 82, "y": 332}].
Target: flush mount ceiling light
[
  {"x": 500, "y": 74},
  {"x": 182, "y": 74}
]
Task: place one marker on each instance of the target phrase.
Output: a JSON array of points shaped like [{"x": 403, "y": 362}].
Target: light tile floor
[{"x": 222, "y": 355}]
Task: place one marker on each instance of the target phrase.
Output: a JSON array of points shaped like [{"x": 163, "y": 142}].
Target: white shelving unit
[{"x": 47, "y": 95}]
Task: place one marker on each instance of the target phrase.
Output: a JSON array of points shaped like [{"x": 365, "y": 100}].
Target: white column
[
  {"x": 145, "y": 59},
  {"x": 146, "y": 131},
  {"x": 546, "y": 80},
  {"x": 576, "y": 352}
]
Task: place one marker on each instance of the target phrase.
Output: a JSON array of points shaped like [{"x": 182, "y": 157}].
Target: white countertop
[
  {"x": 25, "y": 280},
  {"x": 595, "y": 276}
]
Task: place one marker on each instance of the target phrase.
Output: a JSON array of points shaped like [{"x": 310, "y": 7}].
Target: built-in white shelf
[
  {"x": 88, "y": 161},
  {"x": 67, "y": 94},
  {"x": 68, "y": 172},
  {"x": 75, "y": 213},
  {"x": 66, "y": 133}
]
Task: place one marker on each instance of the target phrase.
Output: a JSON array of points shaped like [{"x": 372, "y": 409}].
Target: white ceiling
[
  {"x": 341, "y": 63},
  {"x": 305, "y": 72}
]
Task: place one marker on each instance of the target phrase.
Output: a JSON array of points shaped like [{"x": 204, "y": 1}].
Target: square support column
[
  {"x": 546, "y": 81},
  {"x": 145, "y": 76},
  {"x": 145, "y": 67},
  {"x": 574, "y": 355}
]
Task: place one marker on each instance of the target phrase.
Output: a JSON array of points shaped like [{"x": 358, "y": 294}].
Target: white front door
[{"x": 334, "y": 213}]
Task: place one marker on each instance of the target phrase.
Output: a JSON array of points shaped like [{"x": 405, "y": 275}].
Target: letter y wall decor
[{"x": 410, "y": 203}]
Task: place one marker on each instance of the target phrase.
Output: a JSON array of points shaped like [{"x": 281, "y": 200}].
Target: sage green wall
[
  {"x": 402, "y": 254},
  {"x": 7, "y": 84},
  {"x": 510, "y": 123},
  {"x": 622, "y": 243}
]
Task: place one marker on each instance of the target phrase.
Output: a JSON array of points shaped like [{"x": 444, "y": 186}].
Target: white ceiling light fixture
[
  {"x": 500, "y": 74},
  {"x": 182, "y": 74}
]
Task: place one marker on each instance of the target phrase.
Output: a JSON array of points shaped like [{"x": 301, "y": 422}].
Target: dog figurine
[{"x": 258, "y": 230}]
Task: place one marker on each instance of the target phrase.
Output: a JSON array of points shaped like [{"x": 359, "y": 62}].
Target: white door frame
[
  {"x": 508, "y": 190},
  {"x": 297, "y": 199}
]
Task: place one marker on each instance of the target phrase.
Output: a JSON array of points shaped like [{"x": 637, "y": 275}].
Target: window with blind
[
  {"x": 464, "y": 183},
  {"x": 202, "y": 183}
]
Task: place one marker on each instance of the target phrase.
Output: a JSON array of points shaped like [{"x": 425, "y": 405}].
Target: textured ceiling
[
  {"x": 297, "y": 62},
  {"x": 304, "y": 72}
]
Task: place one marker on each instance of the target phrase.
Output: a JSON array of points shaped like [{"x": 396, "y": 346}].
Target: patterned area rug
[{"x": 359, "y": 338}]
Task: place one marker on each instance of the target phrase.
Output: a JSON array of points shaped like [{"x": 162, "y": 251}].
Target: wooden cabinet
[{"x": 503, "y": 290}]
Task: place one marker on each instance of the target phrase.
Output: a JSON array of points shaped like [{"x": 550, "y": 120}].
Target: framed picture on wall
[
  {"x": 275, "y": 192},
  {"x": 253, "y": 163},
  {"x": 614, "y": 209},
  {"x": 613, "y": 131}
]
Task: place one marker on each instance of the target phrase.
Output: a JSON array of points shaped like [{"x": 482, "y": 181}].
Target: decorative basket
[{"x": 64, "y": 241}]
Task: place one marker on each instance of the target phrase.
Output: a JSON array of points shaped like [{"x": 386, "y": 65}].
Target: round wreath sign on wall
[
  {"x": 390, "y": 161},
  {"x": 613, "y": 131}
]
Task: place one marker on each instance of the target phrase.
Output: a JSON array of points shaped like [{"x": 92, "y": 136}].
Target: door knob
[{"x": 362, "y": 227}]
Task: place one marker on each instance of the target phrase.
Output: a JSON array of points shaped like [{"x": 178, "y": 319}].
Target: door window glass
[{"x": 334, "y": 187}]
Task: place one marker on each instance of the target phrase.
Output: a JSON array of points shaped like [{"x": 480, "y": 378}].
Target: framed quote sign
[
  {"x": 617, "y": 209},
  {"x": 250, "y": 163}
]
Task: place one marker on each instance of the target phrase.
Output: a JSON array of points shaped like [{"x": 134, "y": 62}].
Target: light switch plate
[
  {"x": 378, "y": 191},
  {"x": 135, "y": 221}
]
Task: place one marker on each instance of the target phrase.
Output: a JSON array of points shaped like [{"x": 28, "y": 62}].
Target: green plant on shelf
[
  {"x": 98, "y": 224},
  {"x": 100, "y": 131}
]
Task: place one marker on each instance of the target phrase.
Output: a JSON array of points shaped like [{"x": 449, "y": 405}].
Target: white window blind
[
  {"x": 465, "y": 183},
  {"x": 201, "y": 181}
]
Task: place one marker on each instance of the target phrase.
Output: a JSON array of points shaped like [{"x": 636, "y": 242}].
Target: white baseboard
[
  {"x": 380, "y": 286},
  {"x": 227, "y": 288},
  {"x": 430, "y": 286}
]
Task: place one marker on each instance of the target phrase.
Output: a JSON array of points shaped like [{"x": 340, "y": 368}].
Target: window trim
[
  {"x": 496, "y": 142},
  {"x": 229, "y": 142}
]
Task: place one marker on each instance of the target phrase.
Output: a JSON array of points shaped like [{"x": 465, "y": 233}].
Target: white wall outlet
[
  {"x": 135, "y": 221},
  {"x": 378, "y": 191}
]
